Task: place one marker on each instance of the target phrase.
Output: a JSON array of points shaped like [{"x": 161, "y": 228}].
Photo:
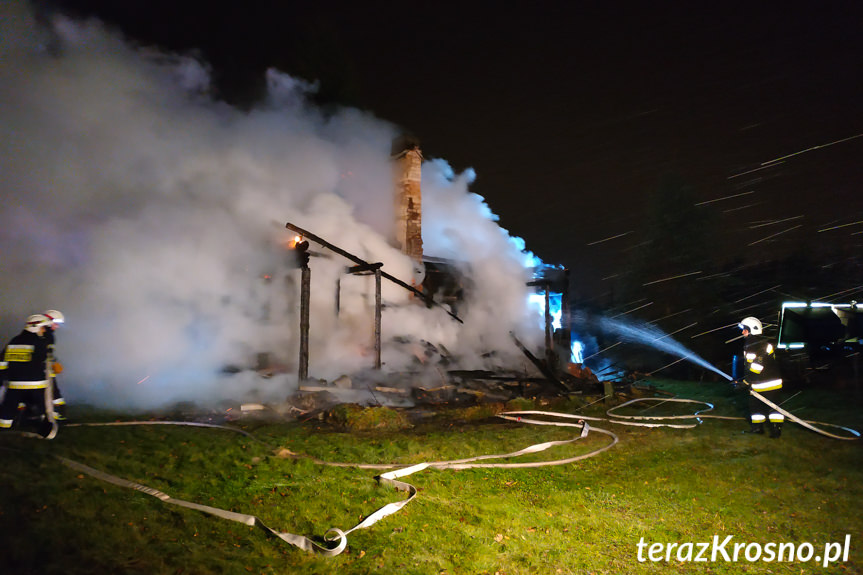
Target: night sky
[{"x": 572, "y": 113}]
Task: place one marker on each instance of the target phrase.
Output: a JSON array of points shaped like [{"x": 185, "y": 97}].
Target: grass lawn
[{"x": 657, "y": 485}]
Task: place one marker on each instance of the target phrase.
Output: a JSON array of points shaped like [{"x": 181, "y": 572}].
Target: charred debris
[
  {"x": 434, "y": 376},
  {"x": 435, "y": 379}
]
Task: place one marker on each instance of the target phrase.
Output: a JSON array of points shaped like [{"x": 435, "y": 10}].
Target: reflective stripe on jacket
[
  {"x": 28, "y": 384},
  {"x": 767, "y": 385}
]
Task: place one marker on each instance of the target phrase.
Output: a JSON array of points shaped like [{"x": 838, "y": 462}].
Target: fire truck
[{"x": 819, "y": 343}]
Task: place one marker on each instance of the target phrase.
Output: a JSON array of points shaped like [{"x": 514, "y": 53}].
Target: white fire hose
[
  {"x": 807, "y": 424},
  {"x": 334, "y": 535},
  {"x": 337, "y": 538}
]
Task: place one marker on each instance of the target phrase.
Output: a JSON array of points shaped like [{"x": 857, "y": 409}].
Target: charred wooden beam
[
  {"x": 550, "y": 356},
  {"x": 566, "y": 315},
  {"x": 378, "y": 317},
  {"x": 362, "y": 268},
  {"x": 374, "y": 268},
  {"x": 360, "y": 261},
  {"x": 304, "y": 324},
  {"x": 541, "y": 365},
  {"x": 549, "y": 345}
]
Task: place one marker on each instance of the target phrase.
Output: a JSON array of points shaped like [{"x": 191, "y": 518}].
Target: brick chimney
[{"x": 407, "y": 159}]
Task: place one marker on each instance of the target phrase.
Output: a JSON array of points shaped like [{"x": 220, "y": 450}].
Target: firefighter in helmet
[
  {"x": 23, "y": 365},
  {"x": 761, "y": 376},
  {"x": 55, "y": 368}
]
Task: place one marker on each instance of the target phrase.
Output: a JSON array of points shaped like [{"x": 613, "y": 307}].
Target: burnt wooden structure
[{"x": 362, "y": 267}]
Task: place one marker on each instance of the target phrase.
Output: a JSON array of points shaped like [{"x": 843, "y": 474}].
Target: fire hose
[
  {"x": 807, "y": 424},
  {"x": 336, "y": 538}
]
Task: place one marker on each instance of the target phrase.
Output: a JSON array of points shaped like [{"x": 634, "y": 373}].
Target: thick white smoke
[{"x": 153, "y": 217}]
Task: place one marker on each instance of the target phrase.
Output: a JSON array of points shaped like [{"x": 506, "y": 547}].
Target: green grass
[{"x": 665, "y": 485}]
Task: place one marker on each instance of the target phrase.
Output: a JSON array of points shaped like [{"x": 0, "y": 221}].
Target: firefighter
[
  {"x": 55, "y": 368},
  {"x": 762, "y": 376},
  {"x": 24, "y": 368}
]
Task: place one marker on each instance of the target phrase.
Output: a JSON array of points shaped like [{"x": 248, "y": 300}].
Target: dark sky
[{"x": 571, "y": 113}]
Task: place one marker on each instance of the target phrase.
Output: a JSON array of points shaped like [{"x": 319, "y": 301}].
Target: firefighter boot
[
  {"x": 775, "y": 430},
  {"x": 756, "y": 428}
]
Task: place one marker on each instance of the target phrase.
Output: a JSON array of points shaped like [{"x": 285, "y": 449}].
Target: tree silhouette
[{"x": 678, "y": 242}]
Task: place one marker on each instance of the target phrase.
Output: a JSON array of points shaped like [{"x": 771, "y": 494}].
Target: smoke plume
[{"x": 153, "y": 217}]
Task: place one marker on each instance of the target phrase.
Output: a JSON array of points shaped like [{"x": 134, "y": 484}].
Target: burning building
[
  {"x": 148, "y": 219},
  {"x": 446, "y": 283}
]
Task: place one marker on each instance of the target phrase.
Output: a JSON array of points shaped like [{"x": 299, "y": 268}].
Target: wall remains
[{"x": 408, "y": 199}]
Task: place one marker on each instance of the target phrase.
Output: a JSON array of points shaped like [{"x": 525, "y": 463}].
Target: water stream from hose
[{"x": 652, "y": 336}]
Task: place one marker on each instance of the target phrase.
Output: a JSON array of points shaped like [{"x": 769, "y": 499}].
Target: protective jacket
[
  {"x": 24, "y": 361},
  {"x": 23, "y": 365},
  {"x": 762, "y": 370}
]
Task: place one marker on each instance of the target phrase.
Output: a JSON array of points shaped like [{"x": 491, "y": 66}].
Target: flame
[
  {"x": 293, "y": 243},
  {"x": 555, "y": 304},
  {"x": 577, "y": 352}
]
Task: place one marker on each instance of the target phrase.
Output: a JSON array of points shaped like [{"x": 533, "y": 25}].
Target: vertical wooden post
[
  {"x": 549, "y": 345},
  {"x": 608, "y": 392},
  {"x": 304, "y": 324},
  {"x": 378, "y": 318},
  {"x": 566, "y": 316},
  {"x": 338, "y": 296},
  {"x": 376, "y": 269}
]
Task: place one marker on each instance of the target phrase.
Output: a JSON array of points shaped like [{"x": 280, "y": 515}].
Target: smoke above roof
[{"x": 153, "y": 216}]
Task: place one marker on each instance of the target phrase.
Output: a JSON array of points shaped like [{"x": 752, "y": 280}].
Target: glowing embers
[{"x": 300, "y": 249}]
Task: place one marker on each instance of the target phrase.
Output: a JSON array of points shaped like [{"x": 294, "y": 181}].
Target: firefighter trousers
[
  {"x": 36, "y": 401},
  {"x": 761, "y": 413}
]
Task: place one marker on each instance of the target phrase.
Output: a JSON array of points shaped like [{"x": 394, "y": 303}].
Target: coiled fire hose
[{"x": 337, "y": 538}]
